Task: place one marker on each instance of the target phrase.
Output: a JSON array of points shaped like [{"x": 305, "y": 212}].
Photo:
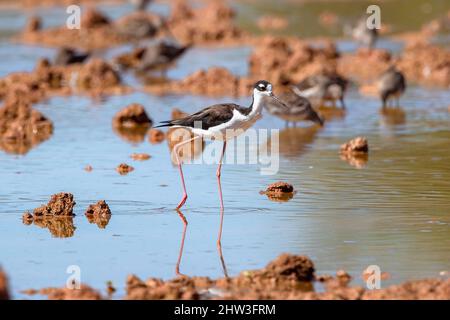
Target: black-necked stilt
[
  {"x": 160, "y": 56},
  {"x": 392, "y": 84},
  {"x": 364, "y": 35},
  {"x": 66, "y": 56},
  {"x": 323, "y": 87},
  {"x": 300, "y": 109},
  {"x": 222, "y": 122}
]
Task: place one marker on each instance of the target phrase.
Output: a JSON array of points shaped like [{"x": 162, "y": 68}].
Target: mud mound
[
  {"x": 212, "y": 23},
  {"x": 60, "y": 204},
  {"x": 4, "y": 291},
  {"x": 93, "y": 18},
  {"x": 300, "y": 268},
  {"x": 21, "y": 126},
  {"x": 284, "y": 61},
  {"x": 83, "y": 293},
  {"x": 365, "y": 65},
  {"x": 215, "y": 81},
  {"x": 279, "y": 191},
  {"x": 140, "y": 156},
  {"x": 132, "y": 123},
  {"x": 99, "y": 213},
  {"x": 426, "y": 64},
  {"x": 97, "y": 74},
  {"x": 124, "y": 169},
  {"x": 355, "y": 146},
  {"x": 156, "y": 136},
  {"x": 97, "y": 31}
]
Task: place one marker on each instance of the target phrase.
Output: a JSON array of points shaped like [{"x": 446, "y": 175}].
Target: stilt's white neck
[{"x": 259, "y": 99}]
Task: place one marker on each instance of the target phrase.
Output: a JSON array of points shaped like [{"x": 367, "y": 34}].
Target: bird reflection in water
[
  {"x": 392, "y": 116},
  {"x": 293, "y": 142},
  {"x": 183, "y": 237}
]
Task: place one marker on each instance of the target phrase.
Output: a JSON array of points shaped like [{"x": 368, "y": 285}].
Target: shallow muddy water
[{"x": 393, "y": 212}]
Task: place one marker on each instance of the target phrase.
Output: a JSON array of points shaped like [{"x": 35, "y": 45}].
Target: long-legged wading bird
[
  {"x": 223, "y": 122},
  {"x": 323, "y": 87},
  {"x": 300, "y": 109},
  {"x": 392, "y": 84},
  {"x": 365, "y": 36}
]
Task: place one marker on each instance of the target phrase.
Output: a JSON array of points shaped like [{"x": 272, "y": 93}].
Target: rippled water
[{"x": 392, "y": 212}]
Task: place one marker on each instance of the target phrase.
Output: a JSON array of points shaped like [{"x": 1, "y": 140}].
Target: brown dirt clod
[
  {"x": 124, "y": 169},
  {"x": 132, "y": 116},
  {"x": 357, "y": 145},
  {"x": 156, "y": 136},
  {"x": 140, "y": 156},
  {"x": 60, "y": 204}
]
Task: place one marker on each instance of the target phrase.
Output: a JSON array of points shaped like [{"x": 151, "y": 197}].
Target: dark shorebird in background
[
  {"x": 300, "y": 109},
  {"x": 160, "y": 56},
  {"x": 363, "y": 35},
  {"x": 323, "y": 87},
  {"x": 141, "y": 5},
  {"x": 66, "y": 56},
  {"x": 222, "y": 122},
  {"x": 391, "y": 85}
]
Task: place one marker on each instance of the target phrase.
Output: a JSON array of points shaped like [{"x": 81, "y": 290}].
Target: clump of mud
[
  {"x": 215, "y": 81},
  {"x": 156, "y": 136},
  {"x": 285, "y": 274},
  {"x": 98, "y": 75},
  {"x": 132, "y": 116},
  {"x": 355, "y": 152},
  {"x": 83, "y": 293},
  {"x": 357, "y": 145},
  {"x": 56, "y": 215},
  {"x": 99, "y": 213},
  {"x": 21, "y": 126},
  {"x": 212, "y": 23},
  {"x": 365, "y": 65},
  {"x": 140, "y": 156},
  {"x": 426, "y": 64},
  {"x": 4, "y": 290},
  {"x": 60, "y": 204},
  {"x": 284, "y": 61},
  {"x": 279, "y": 191},
  {"x": 124, "y": 169},
  {"x": 97, "y": 31},
  {"x": 132, "y": 122}
]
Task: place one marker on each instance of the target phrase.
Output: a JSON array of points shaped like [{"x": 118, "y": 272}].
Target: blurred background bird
[
  {"x": 391, "y": 85},
  {"x": 322, "y": 87},
  {"x": 66, "y": 56},
  {"x": 365, "y": 36},
  {"x": 141, "y": 5},
  {"x": 299, "y": 109}
]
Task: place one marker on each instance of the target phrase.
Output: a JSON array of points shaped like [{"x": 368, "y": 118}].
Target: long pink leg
[
  {"x": 175, "y": 149},
  {"x": 219, "y": 238},
  {"x": 180, "y": 254},
  {"x": 218, "y": 173}
]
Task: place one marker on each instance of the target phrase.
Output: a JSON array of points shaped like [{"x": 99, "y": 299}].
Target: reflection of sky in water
[{"x": 393, "y": 212}]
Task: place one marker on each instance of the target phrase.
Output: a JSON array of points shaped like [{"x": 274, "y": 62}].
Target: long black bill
[{"x": 279, "y": 101}]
